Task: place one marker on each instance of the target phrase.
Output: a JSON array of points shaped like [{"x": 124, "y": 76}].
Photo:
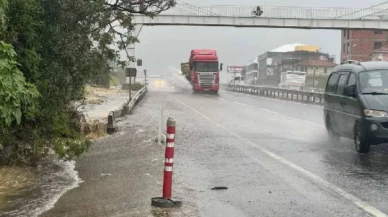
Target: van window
[
  {"x": 352, "y": 79},
  {"x": 332, "y": 83},
  {"x": 374, "y": 81},
  {"x": 343, "y": 80}
]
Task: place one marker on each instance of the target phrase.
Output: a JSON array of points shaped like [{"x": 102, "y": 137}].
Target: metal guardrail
[
  {"x": 126, "y": 108},
  {"x": 280, "y": 93},
  {"x": 277, "y": 12}
]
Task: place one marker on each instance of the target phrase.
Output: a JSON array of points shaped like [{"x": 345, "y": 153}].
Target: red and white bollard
[
  {"x": 166, "y": 201},
  {"x": 169, "y": 159}
]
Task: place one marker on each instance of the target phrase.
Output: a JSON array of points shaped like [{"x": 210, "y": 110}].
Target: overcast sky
[{"x": 163, "y": 47}]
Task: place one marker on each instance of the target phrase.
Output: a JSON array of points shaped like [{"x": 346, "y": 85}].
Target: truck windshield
[
  {"x": 206, "y": 66},
  {"x": 372, "y": 82}
]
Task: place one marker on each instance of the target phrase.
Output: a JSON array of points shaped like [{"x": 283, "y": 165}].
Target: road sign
[
  {"x": 139, "y": 62},
  {"x": 235, "y": 69},
  {"x": 130, "y": 72}
]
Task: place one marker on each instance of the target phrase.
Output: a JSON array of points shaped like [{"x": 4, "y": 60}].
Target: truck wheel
[
  {"x": 360, "y": 141},
  {"x": 333, "y": 136}
]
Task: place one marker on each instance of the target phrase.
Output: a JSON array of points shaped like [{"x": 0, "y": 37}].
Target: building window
[
  {"x": 378, "y": 45},
  {"x": 325, "y": 70},
  {"x": 344, "y": 48},
  {"x": 345, "y": 33},
  {"x": 348, "y": 33},
  {"x": 378, "y": 32},
  {"x": 348, "y": 48}
]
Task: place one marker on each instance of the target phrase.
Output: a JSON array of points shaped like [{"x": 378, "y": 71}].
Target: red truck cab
[{"x": 205, "y": 70}]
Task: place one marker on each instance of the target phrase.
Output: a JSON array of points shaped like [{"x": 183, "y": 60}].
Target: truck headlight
[{"x": 375, "y": 113}]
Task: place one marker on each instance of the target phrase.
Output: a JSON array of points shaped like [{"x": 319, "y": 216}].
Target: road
[{"x": 273, "y": 156}]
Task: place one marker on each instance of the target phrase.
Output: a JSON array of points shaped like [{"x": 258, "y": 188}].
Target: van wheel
[
  {"x": 333, "y": 136},
  {"x": 360, "y": 141}
]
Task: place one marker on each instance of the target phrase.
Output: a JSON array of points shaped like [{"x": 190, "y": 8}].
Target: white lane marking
[
  {"x": 170, "y": 144},
  {"x": 168, "y": 169},
  {"x": 222, "y": 98},
  {"x": 279, "y": 100},
  {"x": 240, "y": 103},
  {"x": 358, "y": 202}
]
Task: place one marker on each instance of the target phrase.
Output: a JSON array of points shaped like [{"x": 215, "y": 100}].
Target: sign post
[{"x": 130, "y": 73}]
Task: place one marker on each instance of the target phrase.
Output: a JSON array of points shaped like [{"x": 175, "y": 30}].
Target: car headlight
[{"x": 375, "y": 113}]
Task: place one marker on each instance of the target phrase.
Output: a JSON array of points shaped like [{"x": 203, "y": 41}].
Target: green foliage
[
  {"x": 61, "y": 45},
  {"x": 17, "y": 97},
  {"x": 3, "y": 8},
  {"x": 114, "y": 81}
]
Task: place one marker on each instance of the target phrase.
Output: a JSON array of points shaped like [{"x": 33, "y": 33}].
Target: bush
[
  {"x": 134, "y": 87},
  {"x": 18, "y": 100},
  {"x": 61, "y": 46}
]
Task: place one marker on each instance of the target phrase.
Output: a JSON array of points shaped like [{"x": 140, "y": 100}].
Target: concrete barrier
[{"x": 280, "y": 93}]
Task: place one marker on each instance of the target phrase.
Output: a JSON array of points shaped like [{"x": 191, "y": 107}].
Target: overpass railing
[
  {"x": 276, "y": 11},
  {"x": 280, "y": 93}
]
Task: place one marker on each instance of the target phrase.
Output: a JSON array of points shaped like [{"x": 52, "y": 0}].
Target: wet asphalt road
[{"x": 273, "y": 156}]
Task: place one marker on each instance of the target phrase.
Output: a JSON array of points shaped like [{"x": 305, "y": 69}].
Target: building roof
[
  {"x": 318, "y": 62},
  {"x": 286, "y": 48}
]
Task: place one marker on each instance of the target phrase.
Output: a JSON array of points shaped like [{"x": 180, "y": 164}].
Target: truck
[
  {"x": 292, "y": 80},
  {"x": 203, "y": 70}
]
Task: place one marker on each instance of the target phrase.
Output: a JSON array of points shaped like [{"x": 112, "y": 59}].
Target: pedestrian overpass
[{"x": 184, "y": 14}]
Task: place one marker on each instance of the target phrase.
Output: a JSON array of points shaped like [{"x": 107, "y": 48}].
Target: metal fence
[
  {"x": 280, "y": 93},
  {"x": 125, "y": 109},
  {"x": 277, "y": 11}
]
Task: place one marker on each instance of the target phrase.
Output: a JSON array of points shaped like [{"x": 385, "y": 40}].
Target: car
[{"x": 356, "y": 103}]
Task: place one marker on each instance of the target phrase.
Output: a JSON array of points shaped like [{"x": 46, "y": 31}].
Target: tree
[{"x": 62, "y": 45}]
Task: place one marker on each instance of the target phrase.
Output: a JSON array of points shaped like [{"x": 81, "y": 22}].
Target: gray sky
[{"x": 163, "y": 47}]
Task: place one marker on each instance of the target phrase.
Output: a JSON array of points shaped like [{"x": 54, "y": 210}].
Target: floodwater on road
[
  {"x": 45, "y": 185},
  {"x": 273, "y": 156},
  {"x": 30, "y": 191}
]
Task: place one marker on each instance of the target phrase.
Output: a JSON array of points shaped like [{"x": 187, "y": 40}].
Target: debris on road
[{"x": 219, "y": 188}]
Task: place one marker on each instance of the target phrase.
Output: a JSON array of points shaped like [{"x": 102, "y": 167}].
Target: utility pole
[{"x": 130, "y": 73}]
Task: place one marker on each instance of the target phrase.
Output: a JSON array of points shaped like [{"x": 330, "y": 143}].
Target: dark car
[{"x": 356, "y": 103}]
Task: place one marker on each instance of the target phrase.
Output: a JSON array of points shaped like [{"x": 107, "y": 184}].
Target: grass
[{"x": 114, "y": 81}]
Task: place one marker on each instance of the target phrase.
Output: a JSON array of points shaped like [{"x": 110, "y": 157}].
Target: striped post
[
  {"x": 169, "y": 158},
  {"x": 167, "y": 201}
]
